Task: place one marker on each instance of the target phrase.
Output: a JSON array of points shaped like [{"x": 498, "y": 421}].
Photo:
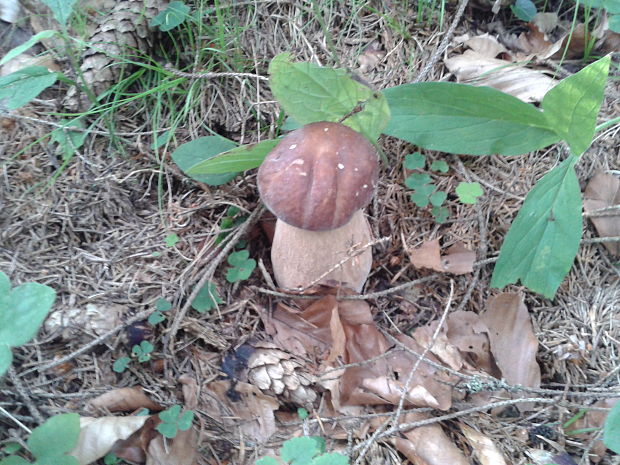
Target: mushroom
[{"x": 316, "y": 181}]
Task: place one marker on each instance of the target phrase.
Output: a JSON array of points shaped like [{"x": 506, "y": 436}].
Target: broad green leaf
[
  {"x": 20, "y": 87},
  {"x": 245, "y": 157},
  {"x": 311, "y": 93},
  {"x": 543, "y": 240},
  {"x": 612, "y": 7},
  {"x": 26, "y": 45},
  {"x": 465, "y": 119},
  {"x": 57, "y": 460},
  {"x": 611, "y": 432},
  {"x": 525, "y": 10},
  {"x": 5, "y": 286},
  {"x": 190, "y": 154},
  {"x": 207, "y": 298},
  {"x": 571, "y": 107},
  {"x": 26, "y": 308},
  {"x": 330, "y": 459},
  {"x": 175, "y": 14},
  {"x": 61, "y": 9},
  {"x": 6, "y": 357},
  {"x": 300, "y": 451},
  {"x": 57, "y": 436},
  {"x": 468, "y": 192},
  {"x": 69, "y": 140},
  {"x": 614, "y": 23}
]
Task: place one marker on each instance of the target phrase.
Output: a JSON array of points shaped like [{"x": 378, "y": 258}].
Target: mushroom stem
[{"x": 301, "y": 258}]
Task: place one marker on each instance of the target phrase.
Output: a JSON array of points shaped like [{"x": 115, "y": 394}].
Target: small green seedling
[
  {"x": 525, "y": 10},
  {"x": 111, "y": 459},
  {"x": 171, "y": 17},
  {"x": 161, "y": 305},
  {"x": 22, "y": 311},
  {"x": 172, "y": 421},
  {"x": 121, "y": 364},
  {"x": 424, "y": 191},
  {"x": 469, "y": 192},
  {"x": 305, "y": 450},
  {"x": 142, "y": 351},
  {"x": 229, "y": 222},
  {"x": 69, "y": 141},
  {"x": 302, "y": 413},
  {"x": 171, "y": 240},
  {"x": 207, "y": 299},
  {"x": 241, "y": 266},
  {"x": 50, "y": 442}
]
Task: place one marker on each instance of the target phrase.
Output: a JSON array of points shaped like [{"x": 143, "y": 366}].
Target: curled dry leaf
[
  {"x": 469, "y": 334},
  {"x": 457, "y": 260},
  {"x": 602, "y": 191},
  {"x": 69, "y": 323},
  {"x": 428, "y": 445},
  {"x": 124, "y": 400},
  {"x": 371, "y": 56},
  {"x": 98, "y": 435},
  {"x": 478, "y": 66},
  {"x": 484, "y": 448}
]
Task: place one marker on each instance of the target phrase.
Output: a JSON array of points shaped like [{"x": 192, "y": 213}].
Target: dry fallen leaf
[
  {"x": 457, "y": 260},
  {"x": 484, "y": 448},
  {"x": 70, "y": 323},
  {"x": 512, "y": 340},
  {"x": 602, "y": 191},
  {"x": 470, "y": 335},
  {"x": 124, "y": 400},
  {"x": 428, "y": 445},
  {"x": 593, "y": 421},
  {"x": 478, "y": 66},
  {"x": 98, "y": 435},
  {"x": 371, "y": 56}
]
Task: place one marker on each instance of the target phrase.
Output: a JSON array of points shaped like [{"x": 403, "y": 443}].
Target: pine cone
[
  {"x": 277, "y": 373},
  {"x": 125, "y": 28}
]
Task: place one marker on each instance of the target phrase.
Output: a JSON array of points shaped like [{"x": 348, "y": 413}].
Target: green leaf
[
  {"x": 302, "y": 413},
  {"x": 171, "y": 414},
  {"x": 5, "y": 286},
  {"x": 301, "y": 450},
  {"x": 185, "y": 420},
  {"x": 612, "y": 6},
  {"x": 571, "y": 106},
  {"x": 245, "y": 157},
  {"x": 190, "y": 154},
  {"x": 544, "y": 238},
  {"x": 440, "y": 214},
  {"x": 465, "y": 119},
  {"x": 415, "y": 161},
  {"x": 168, "y": 430},
  {"x": 330, "y": 459},
  {"x": 57, "y": 436},
  {"x": 207, "y": 299},
  {"x": 69, "y": 140},
  {"x": 161, "y": 140},
  {"x": 438, "y": 198},
  {"x": 14, "y": 460},
  {"x": 525, "y": 10},
  {"x": 242, "y": 266},
  {"x": 26, "y": 45},
  {"x": 162, "y": 305},
  {"x": 156, "y": 318},
  {"x": 420, "y": 199},
  {"x": 611, "y": 431},
  {"x": 23, "y": 313},
  {"x": 614, "y": 23},
  {"x": 171, "y": 240},
  {"x": 6, "y": 357},
  {"x": 266, "y": 461},
  {"x": 11, "y": 447},
  {"x": 439, "y": 166},
  {"x": 57, "y": 460},
  {"x": 121, "y": 364},
  {"x": 61, "y": 9},
  {"x": 171, "y": 17},
  {"x": 312, "y": 93},
  {"x": 468, "y": 192},
  {"x": 20, "y": 87},
  {"x": 417, "y": 180},
  {"x": 110, "y": 459}
]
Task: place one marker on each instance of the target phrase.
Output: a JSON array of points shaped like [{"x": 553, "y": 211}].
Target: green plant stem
[{"x": 607, "y": 124}]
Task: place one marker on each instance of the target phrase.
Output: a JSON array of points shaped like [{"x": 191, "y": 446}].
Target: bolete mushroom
[{"x": 316, "y": 181}]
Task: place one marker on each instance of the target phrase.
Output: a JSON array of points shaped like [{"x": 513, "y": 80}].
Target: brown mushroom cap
[{"x": 318, "y": 176}]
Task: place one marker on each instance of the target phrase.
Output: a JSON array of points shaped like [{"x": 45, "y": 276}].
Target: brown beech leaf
[
  {"x": 594, "y": 419},
  {"x": 513, "y": 342},
  {"x": 603, "y": 190},
  {"x": 124, "y": 400},
  {"x": 241, "y": 406},
  {"x": 484, "y": 448},
  {"x": 98, "y": 435},
  {"x": 457, "y": 260},
  {"x": 469, "y": 334},
  {"x": 428, "y": 445}
]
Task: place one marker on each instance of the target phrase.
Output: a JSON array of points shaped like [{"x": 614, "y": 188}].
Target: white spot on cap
[
  {"x": 340, "y": 166},
  {"x": 365, "y": 186},
  {"x": 355, "y": 169},
  {"x": 303, "y": 173},
  {"x": 357, "y": 194},
  {"x": 325, "y": 129},
  {"x": 292, "y": 146},
  {"x": 299, "y": 161}
]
